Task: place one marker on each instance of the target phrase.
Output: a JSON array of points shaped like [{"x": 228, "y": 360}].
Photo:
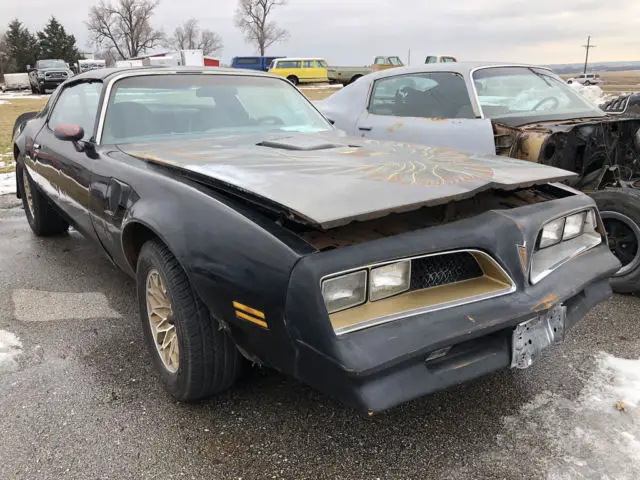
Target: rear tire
[
  {"x": 354, "y": 78},
  {"x": 620, "y": 212},
  {"x": 43, "y": 219},
  {"x": 587, "y": 83},
  {"x": 293, "y": 79},
  {"x": 208, "y": 360}
]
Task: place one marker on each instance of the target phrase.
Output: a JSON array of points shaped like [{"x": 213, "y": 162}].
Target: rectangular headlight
[
  {"x": 389, "y": 280},
  {"x": 345, "y": 291},
  {"x": 552, "y": 233},
  {"x": 574, "y": 226}
]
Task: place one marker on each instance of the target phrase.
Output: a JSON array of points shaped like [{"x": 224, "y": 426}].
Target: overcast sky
[{"x": 352, "y": 32}]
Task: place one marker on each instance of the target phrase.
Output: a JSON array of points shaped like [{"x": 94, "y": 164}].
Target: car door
[
  {"x": 431, "y": 108},
  {"x": 70, "y": 166}
]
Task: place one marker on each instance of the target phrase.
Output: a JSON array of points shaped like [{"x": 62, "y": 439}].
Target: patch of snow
[
  {"x": 10, "y": 350},
  {"x": 594, "y": 438},
  {"x": 593, "y": 93},
  {"x": 323, "y": 86},
  {"x": 4, "y": 102},
  {"x": 7, "y": 183},
  {"x": 596, "y": 435},
  {"x": 19, "y": 95}
]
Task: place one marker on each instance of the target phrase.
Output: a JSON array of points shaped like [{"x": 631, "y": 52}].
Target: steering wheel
[
  {"x": 270, "y": 120},
  {"x": 555, "y": 101}
]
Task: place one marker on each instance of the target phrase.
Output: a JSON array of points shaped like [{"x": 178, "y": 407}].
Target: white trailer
[
  {"x": 192, "y": 58},
  {"x": 16, "y": 81},
  {"x": 129, "y": 63}
]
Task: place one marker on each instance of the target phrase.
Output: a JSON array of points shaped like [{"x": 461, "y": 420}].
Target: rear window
[{"x": 247, "y": 61}]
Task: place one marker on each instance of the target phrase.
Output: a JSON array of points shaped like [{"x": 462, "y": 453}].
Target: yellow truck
[{"x": 300, "y": 70}]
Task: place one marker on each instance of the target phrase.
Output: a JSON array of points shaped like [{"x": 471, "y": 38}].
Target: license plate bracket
[{"x": 530, "y": 338}]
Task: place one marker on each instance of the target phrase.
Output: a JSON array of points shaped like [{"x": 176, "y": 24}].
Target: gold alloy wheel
[
  {"x": 27, "y": 191},
  {"x": 160, "y": 316}
]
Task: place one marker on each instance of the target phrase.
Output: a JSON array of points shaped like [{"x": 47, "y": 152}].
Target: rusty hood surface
[{"x": 328, "y": 180}]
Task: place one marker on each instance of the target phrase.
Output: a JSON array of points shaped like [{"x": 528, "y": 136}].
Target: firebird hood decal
[{"x": 343, "y": 179}]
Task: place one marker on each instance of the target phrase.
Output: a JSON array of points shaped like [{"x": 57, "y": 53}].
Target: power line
[{"x": 588, "y": 47}]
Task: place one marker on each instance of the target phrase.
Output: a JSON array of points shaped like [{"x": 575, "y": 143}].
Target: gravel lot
[{"x": 79, "y": 400}]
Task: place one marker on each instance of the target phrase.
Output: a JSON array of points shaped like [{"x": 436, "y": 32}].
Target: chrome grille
[
  {"x": 55, "y": 75},
  {"x": 443, "y": 269}
]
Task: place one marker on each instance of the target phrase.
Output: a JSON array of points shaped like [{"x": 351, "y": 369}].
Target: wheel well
[
  {"x": 134, "y": 236},
  {"x": 355, "y": 77},
  {"x": 16, "y": 152}
]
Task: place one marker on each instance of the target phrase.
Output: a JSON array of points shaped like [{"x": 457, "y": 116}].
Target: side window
[
  {"x": 426, "y": 95},
  {"x": 379, "y": 61},
  {"x": 321, "y": 64},
  {"x": 77, "y": 105},
  {"x": 307, "y": 64},
  {"x": 431, "y": 59},
  {"x": 289, "y": 64},
  {"x": 448, "y": 59}
]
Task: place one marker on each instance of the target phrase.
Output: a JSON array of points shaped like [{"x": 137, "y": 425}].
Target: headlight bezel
[{"x": 592, "y": 239}]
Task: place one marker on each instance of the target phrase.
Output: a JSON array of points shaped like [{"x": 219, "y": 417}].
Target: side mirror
[{"x": 69, "y": 133}]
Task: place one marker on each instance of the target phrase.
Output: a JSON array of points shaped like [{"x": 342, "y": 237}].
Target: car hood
[{"x": 328, "y": 180}]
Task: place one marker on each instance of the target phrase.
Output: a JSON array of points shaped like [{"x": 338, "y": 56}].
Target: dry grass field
[
  {"x": 617, "y": 82},
  {"x": 10, "y": 109}
]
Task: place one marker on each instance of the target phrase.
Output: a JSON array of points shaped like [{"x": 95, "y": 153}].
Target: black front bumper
[{"x": 379, "y": 367}]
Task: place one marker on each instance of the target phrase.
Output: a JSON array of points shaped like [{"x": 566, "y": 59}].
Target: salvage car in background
[
  {"x": 521, "y": 111},
  {"x": 376, "y": 272}
]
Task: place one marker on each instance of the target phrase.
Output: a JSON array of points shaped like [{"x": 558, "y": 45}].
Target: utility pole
[
  {"x": 588, "y": 47},
  {"x": 409, "y": 58}
]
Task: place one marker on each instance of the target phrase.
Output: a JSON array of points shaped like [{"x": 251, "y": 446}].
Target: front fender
[{"x": 227, "y": 256}]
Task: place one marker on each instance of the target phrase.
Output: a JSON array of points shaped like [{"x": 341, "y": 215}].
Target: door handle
[{"x": 365, "y": 129}]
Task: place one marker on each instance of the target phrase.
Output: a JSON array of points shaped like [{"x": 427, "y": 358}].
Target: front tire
[
  {"x": 194, "y": 357},
  {"x": 620, "y": 212},
  {"x": 43, "y": 219}
]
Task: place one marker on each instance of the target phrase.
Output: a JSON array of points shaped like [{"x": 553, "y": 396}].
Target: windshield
[
  {"x": 505, "y": 92},
  {"x": 51, "y": 64},
  {"x": 162, "y": 107}
]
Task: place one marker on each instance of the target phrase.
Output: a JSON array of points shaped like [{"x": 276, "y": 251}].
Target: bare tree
[
  {"x": 124, "y": 26},
  {"x": 189, "y": 36},
  {"x": 252, "y": 18}
]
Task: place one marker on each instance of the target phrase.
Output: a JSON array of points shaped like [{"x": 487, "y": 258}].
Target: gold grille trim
[{"x": 494, "y": 282}]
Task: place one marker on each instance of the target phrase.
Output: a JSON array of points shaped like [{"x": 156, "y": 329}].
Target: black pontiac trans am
[{"x": 374, "y": 271}]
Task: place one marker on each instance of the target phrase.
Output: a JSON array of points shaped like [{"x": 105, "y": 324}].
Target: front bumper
[
  {"x": 50, "y": 84},
  {"x": 377, "y": 368}
]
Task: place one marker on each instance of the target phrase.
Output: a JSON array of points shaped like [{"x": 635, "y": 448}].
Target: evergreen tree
[
  {"x": 54, "y": 43},
  {"x": 22, "y": 46}
]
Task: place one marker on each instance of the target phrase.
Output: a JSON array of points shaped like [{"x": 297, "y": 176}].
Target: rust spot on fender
[
  {"x": 395, "y": 126},
  {"x": 546, "y": 303}
]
